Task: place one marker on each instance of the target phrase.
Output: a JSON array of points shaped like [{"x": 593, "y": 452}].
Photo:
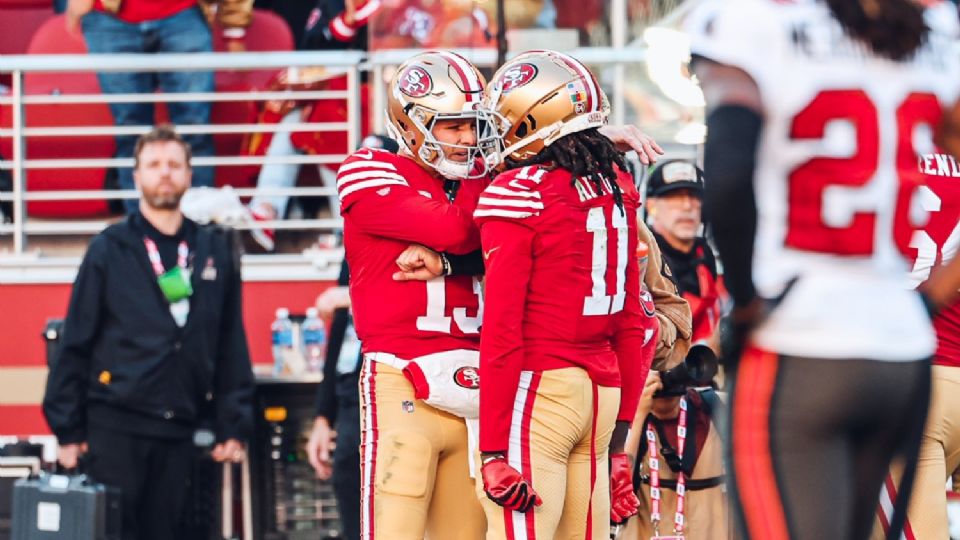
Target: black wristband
[{"x": 470, "y": 264}]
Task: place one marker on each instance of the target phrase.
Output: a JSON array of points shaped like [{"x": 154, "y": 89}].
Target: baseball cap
[{"x": 673, "y": 175}]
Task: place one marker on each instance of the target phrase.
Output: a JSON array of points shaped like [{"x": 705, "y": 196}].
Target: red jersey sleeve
[
  {"x": 504, "y": 212},
  {"x": 634, "y": 339},
  {"x": 507, "y": 246},
  {"x": 379, "y": 201}
]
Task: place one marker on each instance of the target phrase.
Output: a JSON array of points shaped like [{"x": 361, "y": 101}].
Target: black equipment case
[{"x": 57, "y": 507}]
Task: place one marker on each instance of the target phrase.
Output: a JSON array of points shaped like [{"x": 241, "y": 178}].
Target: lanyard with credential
[
  {"x": 154, "y": 254},
  {"x": 654, "y": 464},
  {"x": 174, "y": 283}
]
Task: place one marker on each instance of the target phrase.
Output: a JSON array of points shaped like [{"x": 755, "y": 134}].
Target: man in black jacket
[{"x": 153, "y": 342}]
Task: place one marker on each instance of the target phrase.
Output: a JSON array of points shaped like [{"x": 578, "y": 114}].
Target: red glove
[
  {"x": 623, "y": 500},
  {"x": 506, "y": 487}
]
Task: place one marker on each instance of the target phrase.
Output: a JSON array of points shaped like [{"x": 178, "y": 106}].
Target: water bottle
[
  {"x": 282, "y": 331},
  {"x": 349, "y": 350},
  {"x": 314, "y": 340}
]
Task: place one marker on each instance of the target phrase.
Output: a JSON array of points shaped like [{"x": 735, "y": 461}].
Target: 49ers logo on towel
[
  {"x": 467, "y": 377},
  {"x": 517, "y": 76},
  {"x": 415, "y": 82}
]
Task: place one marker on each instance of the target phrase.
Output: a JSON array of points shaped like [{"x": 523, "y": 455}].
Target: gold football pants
[
  {"x": 415, "y": 479},
  {"x": 939, "y": 460},
  {"x": 559, "y": 438}
]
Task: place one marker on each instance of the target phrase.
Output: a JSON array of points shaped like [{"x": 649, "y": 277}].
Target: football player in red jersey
[
  {"x": 817, "y": 112},
  {"x": 414, "y": 450},
  {"x": 566, "y": 343},
  {"x": 420, "y": 339}
]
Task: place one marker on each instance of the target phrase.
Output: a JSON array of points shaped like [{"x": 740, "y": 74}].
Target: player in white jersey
[{"x": 817, "y": 111}]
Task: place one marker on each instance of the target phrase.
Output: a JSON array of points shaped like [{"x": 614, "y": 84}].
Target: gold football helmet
[
  {"x": 439, "y": 85},
  {"x": 541, "y": 96}
]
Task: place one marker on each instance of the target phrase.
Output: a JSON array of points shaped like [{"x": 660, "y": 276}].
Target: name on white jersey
[{"x": 938, "y": 165}]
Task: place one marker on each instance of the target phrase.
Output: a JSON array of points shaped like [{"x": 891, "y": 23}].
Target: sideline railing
[{"x": 379, "y": 65}]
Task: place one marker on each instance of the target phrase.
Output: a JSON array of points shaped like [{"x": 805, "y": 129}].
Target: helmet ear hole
[{"x": 522, "y": 130}]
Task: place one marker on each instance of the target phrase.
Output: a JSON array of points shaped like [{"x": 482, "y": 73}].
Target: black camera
[{"x": 697, "y": 369}]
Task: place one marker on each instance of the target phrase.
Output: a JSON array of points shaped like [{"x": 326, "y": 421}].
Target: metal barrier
[{"x": 378, "y": 64}]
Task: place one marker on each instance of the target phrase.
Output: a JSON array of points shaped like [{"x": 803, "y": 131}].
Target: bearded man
[{"x": 153, "y": 343}]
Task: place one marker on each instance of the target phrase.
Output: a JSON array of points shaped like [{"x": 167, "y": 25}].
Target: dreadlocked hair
[
  {"x": 894, "y": 29},
  {"x": 586, "y": 154}
]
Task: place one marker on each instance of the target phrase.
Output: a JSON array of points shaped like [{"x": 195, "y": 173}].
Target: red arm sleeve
[
  {"x": 634, "y": 348},
  {"x": 377, "y": 199},
  {"x": 404, "y": 214},
  {"x": 507, "y": 248}
]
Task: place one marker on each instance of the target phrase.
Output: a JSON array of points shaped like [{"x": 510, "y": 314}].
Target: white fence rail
[{"x": 378, "y": 65}]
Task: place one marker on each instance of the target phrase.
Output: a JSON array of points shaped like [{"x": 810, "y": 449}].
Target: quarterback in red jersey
[
  {"x": 414, "y": 450},
  {"x": 565, "y": 336}
]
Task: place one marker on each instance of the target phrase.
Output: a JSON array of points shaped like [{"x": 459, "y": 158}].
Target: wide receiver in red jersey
[{"x": 566, "y": 344}]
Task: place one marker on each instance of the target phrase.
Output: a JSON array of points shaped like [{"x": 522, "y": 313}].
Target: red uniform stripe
[
  {"x": 884, "y": 524},
  {"x": 525, "y": 445},
  {"x": 368, "y": 374},
  {"x": 756, "y": 480},
  {"x": 885, "y": 520}
]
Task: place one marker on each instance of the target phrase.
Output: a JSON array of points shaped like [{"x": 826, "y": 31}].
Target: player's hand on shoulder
[{"x": 629, "y": 137}]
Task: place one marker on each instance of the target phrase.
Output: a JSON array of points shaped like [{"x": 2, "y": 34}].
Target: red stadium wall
[{"x": 26, "y": 307}]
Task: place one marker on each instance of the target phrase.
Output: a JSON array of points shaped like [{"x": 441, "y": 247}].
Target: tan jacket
[{"x": 676, "y": 320}]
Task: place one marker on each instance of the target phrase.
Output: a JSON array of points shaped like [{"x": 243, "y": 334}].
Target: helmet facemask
[{"x": 479, "y": 156}]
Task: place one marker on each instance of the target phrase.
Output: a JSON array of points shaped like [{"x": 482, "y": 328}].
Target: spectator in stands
[
  {"x": 147, "y": 26},
  {"x": 674, "y": 202},
  {"x": 331, "y": 25},
  {"x": 264, "y": 207},
  {"x": 148, "y": 351},
  {"x": 432, "y": 24}
]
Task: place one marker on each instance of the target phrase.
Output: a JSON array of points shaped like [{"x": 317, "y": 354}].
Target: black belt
[{"x": 692, "y": 485}]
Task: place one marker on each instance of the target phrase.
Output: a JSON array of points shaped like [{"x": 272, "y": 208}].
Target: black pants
[
  {"x": 346, "y": 457},
  {"x": 152, "y": 474},
  {"x": 812, "y": 441}
]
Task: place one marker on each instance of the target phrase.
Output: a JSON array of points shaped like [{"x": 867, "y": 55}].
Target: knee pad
[{"x": 403, "y": 464}]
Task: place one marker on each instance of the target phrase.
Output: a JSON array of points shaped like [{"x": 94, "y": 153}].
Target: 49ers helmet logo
[
  {"x": 415, "y": 82},
  {"x": 517, "y": 76},
  {"x": 467, "y": 377}
]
